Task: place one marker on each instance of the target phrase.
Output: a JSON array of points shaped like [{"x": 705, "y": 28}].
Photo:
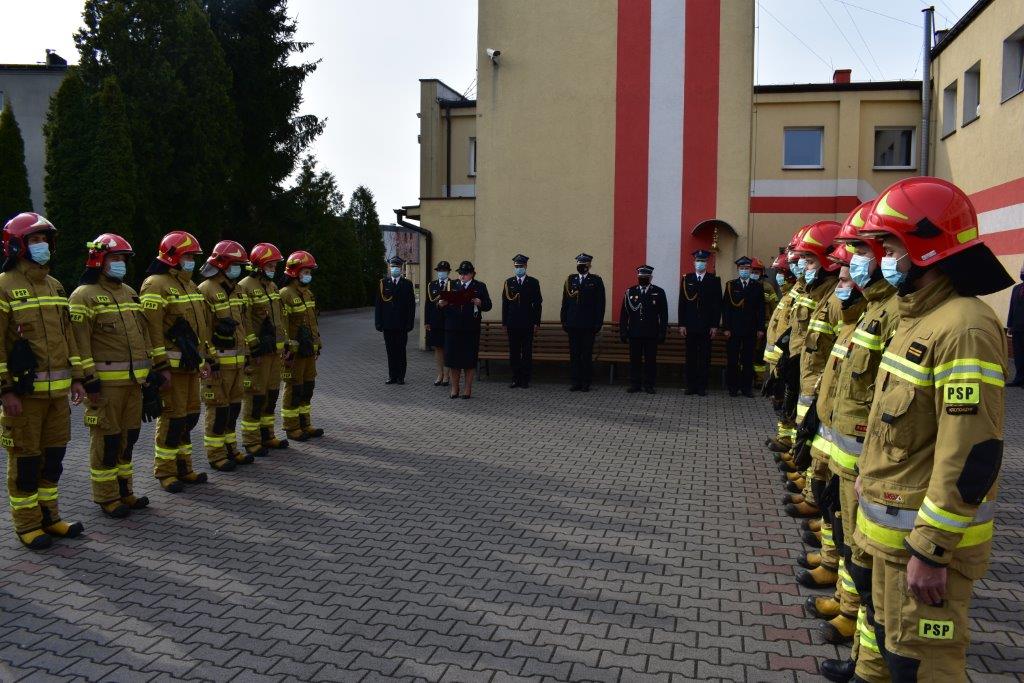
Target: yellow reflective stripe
[
  {"x": 305, "y": 410},
  {"x": 840, "y": 350},
  {"x": 250, "y": 426},
  {"x": 51, "y": 385},
  {"x": 231, "y": 360},
  {"x": 37, "y": 302},
  {"x": 842, "y": 458},
  {"x": 157, "y": 351},
  {"x": 81, "y": 310},
  {"x": 865, "y": 632},
  {"x": 165, "y": 453},
  {"x": 969, "y": 368},
  {"x": 279, "y": 345},
  {"x": 893, "y": 538},
  {"x": 125, "y": 469},
  {"x": 183, "y": 298},
  {"x": 25, "y": 502},
  {"x": 48, "y": 493},
  {"x": 113, "y": 375},
  {"x": 905, "y": 369},
  {"x": 820, "y": 326},
  {"x": 185, "y": 449},
  {"x": 869, "y": 341},
  {"x": 4, "y": 306},
  {"x": 267, "y": 421},
  {"x": 213, "y": 440},
  {"x": 289, "y": 412},
  {"x": 117, "y": 308},
  {"x": 103, "y": 475}
]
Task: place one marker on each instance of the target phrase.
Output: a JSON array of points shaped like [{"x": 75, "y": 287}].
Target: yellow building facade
[{"x": 629, "y": 130}]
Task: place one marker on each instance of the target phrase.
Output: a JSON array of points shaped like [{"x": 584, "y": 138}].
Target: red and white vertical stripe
[{"x": 666, "y": 151}]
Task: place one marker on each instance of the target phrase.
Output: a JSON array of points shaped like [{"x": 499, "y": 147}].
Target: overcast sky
[{"x": 374, "y": 51}]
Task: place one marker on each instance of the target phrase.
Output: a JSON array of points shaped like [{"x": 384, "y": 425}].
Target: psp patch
[
  {"x": 150, "y": 305},
  {"x": 962, "y": 393},
  {"x": 19, "y": 293},
  {"x": 935, "y": 629},
  {"x": 92, "y": 419},
  {"x": 208, "y": 395}
]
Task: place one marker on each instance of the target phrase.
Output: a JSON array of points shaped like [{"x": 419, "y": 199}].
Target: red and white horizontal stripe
[
  {"x": 809, "y": 196},
  {"x": 1001, "y": 216}
]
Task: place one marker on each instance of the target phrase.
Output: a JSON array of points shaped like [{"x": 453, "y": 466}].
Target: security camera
[{"x": 493, "y": 55}]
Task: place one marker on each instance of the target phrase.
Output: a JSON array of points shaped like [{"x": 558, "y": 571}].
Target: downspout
[
  {"x": 926, "y": 90},
  {"x": 448, "y": 151},
  {"x": 428, "y": 237}
]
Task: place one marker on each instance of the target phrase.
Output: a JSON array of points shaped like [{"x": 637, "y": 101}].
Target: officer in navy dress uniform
[
  {"x": 643, "y": 322},
  {"x": 582, "y": 317},
  {"x": 700, "y": 305},
  {"x": 743, "y": 325},
  {"x": 520, "y": 316},
  {"x": 395, "y": 315},
  {"x": 462, "y": 329},
  {"x": 433, "y": 319}
]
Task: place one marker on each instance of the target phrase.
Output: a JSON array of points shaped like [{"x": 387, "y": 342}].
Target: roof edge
[
  {"x": 837, "y": 87},
  {"x": 959, "y": 27}
]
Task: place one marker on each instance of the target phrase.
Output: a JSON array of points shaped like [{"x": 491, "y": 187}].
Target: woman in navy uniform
[
  {"x": 582, "y": 317},
  {"x": 743, "y": 325},
  {"x": 520, "y": 316},
  {"x": 643, "y": 322},
  {"x": 462, "y": 328},
  {"x": 433, "y": 320},
  {"x": 700, "y": 305}
]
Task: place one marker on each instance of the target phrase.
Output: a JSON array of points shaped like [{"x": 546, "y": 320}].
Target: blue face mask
[
  {"x": 755, "y": 277},
  {"x": 306, "y": 278},
  {"x": 396, "y": 271},
  {"x": 798, "y": 268},
  {"x": 234, "y": 270},
  {"x": 843, "y": 293},
  {"x": 780, "y": 279},
  {"x": 860, "y": 270},
  {"x": 117, "y": 269},
  {"x": 520, "y": 272},
  {"x": 188, "y": 266},
  {"x": 809, "y": 275},
  {"x": 889, "y": 270},
  {"x": 40, "y": 253},
  {"x": 442, "y": 275},
  {"x": 700, "y": 266},
  {"x": 270, "y": 272},
  {"x": 745, "y": 273}
]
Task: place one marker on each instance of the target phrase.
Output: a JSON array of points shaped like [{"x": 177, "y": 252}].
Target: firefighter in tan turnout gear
[
  {"x": 929, "y": 470},
  {"x": 113, "y": 341},
  {"x": 179, "y": 331},
  {"x": 303, "y": 346},
  {"x": 222, "y": 392},
  {"x": 39, "y": 365},
  {"x": 266, "y": 334}
]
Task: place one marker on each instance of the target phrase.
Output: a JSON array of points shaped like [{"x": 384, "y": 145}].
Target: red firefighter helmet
[
  {"x": 781, "y": 263},
  {"x": 818, "y": 239},
  {"x": 297, "y": 262},
  {"x": 842, "y": 254},
  {"x": 796, "y": 238},
  {"x": 107, "y": 243},
  {"x": 932, "y": 217},
  {"x": 756, "y": 264},
  {"x": 18, "y": 229},
  {"x": 176, "y": 244},
  {"x": 225, "y": 253},
  {"x": 852, "y": 226},
  {"x": 264, "y": 253}
]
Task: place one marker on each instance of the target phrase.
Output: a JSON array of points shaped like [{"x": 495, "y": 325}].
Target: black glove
[
  {"x": 307, "y": 349},
  {"x": 267, "y": 337},
  {"x": 184, "y": 337},
  {"x": 22, "y": 364},
  {"x": 151, "y": 405},
  {"x": 224, "y": 333}
]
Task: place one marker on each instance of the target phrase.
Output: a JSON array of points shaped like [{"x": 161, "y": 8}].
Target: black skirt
[
  {"x": 461, "y": 348},
  {"x": 435, "y": 337}
]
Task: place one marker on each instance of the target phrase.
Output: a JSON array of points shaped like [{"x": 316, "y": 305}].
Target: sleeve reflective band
[
  {"x": 869, "y": 341},
  {"x": 935, "y": 516},
  {"x": 969, "y": 368},
  {"x": 904, "y": 369},
  {"x": 820, "y": 326}
]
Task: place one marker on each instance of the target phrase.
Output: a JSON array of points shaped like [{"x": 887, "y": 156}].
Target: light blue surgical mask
[
  {"x": 798, "y": 268},
  {"x": 40, "y": 253},
  {"x": 843, "y": 293},
  {"x": 809, "y": 275},
  {"x": 520, "y": 272},
  {"x": 780, "y": 279},
  {"x": 117, "y": 269},
  {"x": 234, "y": 270},
  {"x": 270, "y": 272},
  {"x": 442, "y": 275},
  {"x": 306, "y": 278},
  {"x": 889, "y": 270},
  {"x": 395, "y": 271},
  {"x": 860, "y": 270},
  {"x": 745, "y": 273},
  {"x": 755, "y": 277},
  {"x": 188, "y": 266},
  {"x": 700, "y": 266}
]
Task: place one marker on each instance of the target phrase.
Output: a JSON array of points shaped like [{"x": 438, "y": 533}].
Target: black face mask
[
  {"x": 582, "y": 268},
  {"x": 1022, "y": 276},
  {"x": 643, "y": 281}
]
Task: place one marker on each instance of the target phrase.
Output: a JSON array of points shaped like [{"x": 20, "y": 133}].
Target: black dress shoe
[
  {"x": 575, "y": 387},
  {"x": 838, "y": 670},
  {"x": 633, "y": 390},
  {"x": 401, "y": 381},
  {"x": 585, "y": 387},
  {"x": 513, "y": 385},
  {"x": 649, "y": 390},
  {"x": 439, "y": 383},
  {"x": 467, "y": 396},
  {"x": 524, "y": 385},
  {"x": 748, "y": 394},
  {"x": 390, "y": 381},
  {"x": 453, "y": 396},
  {"x": 444, "y": 384},
  {"x": 689, "y": 392},
  {"x": 733, "y": 392}
]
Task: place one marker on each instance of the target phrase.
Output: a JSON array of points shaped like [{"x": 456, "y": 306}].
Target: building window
[
  {"x": 803, "y": 148},
  {"x": 894, "y": 148},
  {"x": 472, "y": 156},
  {"x": 949, "y": 109},
  {"x": 1013, "y": 64},
  {"x": 972, "y": 94}
]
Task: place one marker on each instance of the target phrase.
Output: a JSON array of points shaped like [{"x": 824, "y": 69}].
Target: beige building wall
[
  {"x": 433, "y": 140},
  {"x": 546, "y": 123},
  {"x": 988, "y": 151}
]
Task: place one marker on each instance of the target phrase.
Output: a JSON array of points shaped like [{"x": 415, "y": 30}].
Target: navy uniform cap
[
  {"x": 645, "y": 270},
  {"x": 702, "y": 254},
  {"x": 584, "y": 258},
  {"x": 743, "y": 261},
  {"x": 443, "y": 265},
  {"x": 396, "y": 261},
  {"x": 520, "y": 260},
  {"x": 466, "y": 267}
]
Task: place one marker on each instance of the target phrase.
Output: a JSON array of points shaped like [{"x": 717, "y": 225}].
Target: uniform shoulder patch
[
  {"x": 77, "y": 317},
  {"x": 173, "y": 290},
  {"x": 961, "y": 393},
  {"x": 221, "y": 296},
  {"x": 19, "y": 293},
  {"x": 150, "y": 305},
  {"x": 297, "y": 300},
  {"x": 916, "y": 352},
  {"x": 102, "y": 299}
]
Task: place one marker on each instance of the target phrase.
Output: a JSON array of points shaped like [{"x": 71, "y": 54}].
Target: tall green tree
[
  {"x": 181, "y": 120},
  {"x": 362, "y": 212},
  {"x": 258, "y": 40},
  {"x": 15, "y": 195}
]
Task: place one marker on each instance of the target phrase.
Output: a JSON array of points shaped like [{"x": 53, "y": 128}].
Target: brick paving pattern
[{"x": 521, "y": 535}]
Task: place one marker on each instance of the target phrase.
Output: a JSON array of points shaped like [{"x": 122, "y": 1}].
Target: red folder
[{"x": 459, "y": 297}]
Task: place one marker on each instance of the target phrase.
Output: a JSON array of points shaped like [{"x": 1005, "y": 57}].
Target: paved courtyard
[{"x": 532, "y": 534}]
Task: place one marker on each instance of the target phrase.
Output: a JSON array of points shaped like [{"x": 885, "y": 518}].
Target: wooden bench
[{"x": 551, "y": 344}]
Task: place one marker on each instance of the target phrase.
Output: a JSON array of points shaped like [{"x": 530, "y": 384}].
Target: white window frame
[
  {"x": 472, "y": 157},
  {"x": 1013, "y": 65},
  {"x": 972, "y": 95},
  {"x": 913, "y": 149},
  {"x": 821, "y": 150},
  {"x": 949, "y": 109}
]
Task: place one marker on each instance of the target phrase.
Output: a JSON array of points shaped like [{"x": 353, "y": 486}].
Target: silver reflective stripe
[
  {"x": 958, "y": 369},
  {"x": 112, "y": 365},
  {"x": 230, "y": 353},
  {"x": 805, "y": 400},
  {"x": 53, "y": 374},
  {"x": 905, "y": 519},
  {"x": 848, "y": 444},
  {"x": 825, "y": 433}
]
